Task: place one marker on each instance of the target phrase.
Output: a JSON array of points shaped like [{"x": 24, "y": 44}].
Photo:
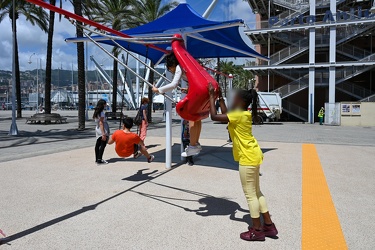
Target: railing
[
  {"x": 289, "y": 51},
  {"x": 353, "y": 51},
  {"x": 369, "y": 99},
  {"x": 321, "y": 78},
  {"x": 295, "y": 110},
  {"x": 293, "y": 87},
  {"x": 356, "y": 90},
  {"x": 293, "y": 4},
  {"x": 345, "y": 33},
  {"x": 289, "y": 37}
]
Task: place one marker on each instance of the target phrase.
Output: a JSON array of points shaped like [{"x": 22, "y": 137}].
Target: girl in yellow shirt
[{"x": 249, "y": 155}]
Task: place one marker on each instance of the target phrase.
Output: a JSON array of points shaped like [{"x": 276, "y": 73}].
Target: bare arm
[
  {"x": 145, "y": 116},
  {"x": 213, "y": 112},
  {"x": 101, "y": 125},
  {"x": 111, "y": 141}
]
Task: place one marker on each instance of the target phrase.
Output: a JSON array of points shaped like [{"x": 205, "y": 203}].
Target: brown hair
[{"x": 145, "y": 100}]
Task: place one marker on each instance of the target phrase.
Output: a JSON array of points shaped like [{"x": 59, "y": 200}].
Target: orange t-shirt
[{"x": 125, "y": 142}]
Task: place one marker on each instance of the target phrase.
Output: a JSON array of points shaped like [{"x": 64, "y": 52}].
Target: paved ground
[{"x": 54, "y": 197}]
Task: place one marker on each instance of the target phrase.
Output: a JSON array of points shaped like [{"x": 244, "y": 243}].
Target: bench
[
  {"x": 114, "y": 115},
  {"x": 46, "y": 118}
]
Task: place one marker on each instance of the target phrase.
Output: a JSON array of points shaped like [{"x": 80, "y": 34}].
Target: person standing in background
[
  {"x": 321, "y": 115},
  {"x": 144, "y": 125},
  {"x": 102, "y": 131}
]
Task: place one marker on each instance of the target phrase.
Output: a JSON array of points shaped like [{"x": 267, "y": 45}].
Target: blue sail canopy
[{"x": 204, "y": 38}]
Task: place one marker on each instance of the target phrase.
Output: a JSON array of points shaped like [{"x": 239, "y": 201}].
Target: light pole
[
  {"x": 13, "y": 127},
  {"x": 37, "y": 79}
]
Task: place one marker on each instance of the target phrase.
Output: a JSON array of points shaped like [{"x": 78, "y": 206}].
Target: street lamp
[{"x": 37, "y": 80}]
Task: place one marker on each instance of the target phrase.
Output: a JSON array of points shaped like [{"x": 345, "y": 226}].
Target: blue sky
[{"x": 32, "y": 40}]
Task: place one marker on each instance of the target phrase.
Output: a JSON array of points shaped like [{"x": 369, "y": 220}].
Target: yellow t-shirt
[{"x": 246, "y": 149}]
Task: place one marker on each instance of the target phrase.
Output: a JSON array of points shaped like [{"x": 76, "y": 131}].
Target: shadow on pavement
[
  {"x": 219, "y": 156},
  {"x": 212, "y": 206},
  {"x": 26, "y": 138},
  {"x": 77, "y": 212},
  {"x": 141, "y": 176}
]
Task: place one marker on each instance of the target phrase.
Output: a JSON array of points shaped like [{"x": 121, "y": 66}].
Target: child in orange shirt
[{"x": 126, "y": 142}]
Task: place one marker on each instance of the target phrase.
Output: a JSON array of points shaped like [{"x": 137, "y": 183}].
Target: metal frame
[
  {"x": 226, "y": 47},
  {"x": 306, "y": 27},
  {"x": 121, "y": 63}
]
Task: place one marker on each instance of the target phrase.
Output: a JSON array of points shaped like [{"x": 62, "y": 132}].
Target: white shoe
[{"x": 191, "y": 150}]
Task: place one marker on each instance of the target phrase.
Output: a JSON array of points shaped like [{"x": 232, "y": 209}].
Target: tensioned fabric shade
[{"x": 204, "y": 38}]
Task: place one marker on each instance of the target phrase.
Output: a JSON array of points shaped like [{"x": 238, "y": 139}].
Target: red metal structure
[{"x": 195, "y": 106}]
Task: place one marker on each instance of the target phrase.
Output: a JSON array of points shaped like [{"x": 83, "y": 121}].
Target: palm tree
[
  {"x": 47, "y": 89},
  {"x": 115, "y": 14},
  {"x": 36, "y": 16},
  {"x": 145, "y": 11},
  {"x": 226, "y": 67},
  {"x": 78, "y": 9}
]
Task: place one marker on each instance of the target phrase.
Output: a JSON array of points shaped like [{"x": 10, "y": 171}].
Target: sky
[{"x": 32, "y": 40}]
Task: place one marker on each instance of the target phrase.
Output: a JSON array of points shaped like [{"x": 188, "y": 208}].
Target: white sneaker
[
  {"x": 101, "y": 162},
  {"x": 191, "y": 150}
]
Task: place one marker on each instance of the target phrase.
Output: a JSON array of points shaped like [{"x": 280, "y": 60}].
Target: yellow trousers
[{"x": 249, "y": 176}]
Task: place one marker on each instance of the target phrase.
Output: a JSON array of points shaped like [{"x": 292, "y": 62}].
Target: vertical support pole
[
  {"x": 13, "y": 127},
  {"x": 87, "y": 84},
  {"x": 168, "y": 128},
  {"x": 182, "y": 149},
  {"x": 332, "y": 57},
  {"x": 269, "y": 49},
  {"x": 311, "y": 63},
  {"x": 137, "y": 83},
  {"x": 73, "y": 85}
]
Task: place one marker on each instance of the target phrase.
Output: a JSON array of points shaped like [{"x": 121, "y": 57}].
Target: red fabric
[
  {"x": 125, "y": 142},
  {"x": 196, "y": 104}
]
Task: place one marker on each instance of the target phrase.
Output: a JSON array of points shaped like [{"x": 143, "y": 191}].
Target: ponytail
[
  {"x": 254, "y": 103},
  {"x": 250, "y": 97}
]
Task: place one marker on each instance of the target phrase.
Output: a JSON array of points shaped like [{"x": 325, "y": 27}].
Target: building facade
[{"x": 321, "y": 51}]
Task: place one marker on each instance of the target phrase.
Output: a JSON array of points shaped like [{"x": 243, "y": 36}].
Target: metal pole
[
  {"x": 269, "y": 50},
  {"x": 210, "y": 8},
  {"x": 37, "y": 84},
  {"x": 13, "y": 127},
  {"x": 311, "y": 90},
  {"x": 137, "y": 83},
  {"x": 332, "y": 58},
  {"x": 168, "y": 127},
  {"x": 87, "y": 89},
  {"x": 72, "y": 85}
]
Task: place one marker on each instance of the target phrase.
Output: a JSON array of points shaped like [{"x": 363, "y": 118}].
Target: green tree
[
  {"x": 226, "y": 67},
  {"x": 145, "y": 11},
  {"x": 34, "y": 15},
  {"x": 115, "y": 14}
]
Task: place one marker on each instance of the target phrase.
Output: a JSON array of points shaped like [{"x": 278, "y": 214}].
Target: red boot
[
  {"x": 270, "y": 231},
  {"x": 253, "y": 235}
]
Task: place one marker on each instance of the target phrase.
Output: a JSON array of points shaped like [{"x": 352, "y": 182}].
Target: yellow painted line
[{"x": 321, "y": 227}]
